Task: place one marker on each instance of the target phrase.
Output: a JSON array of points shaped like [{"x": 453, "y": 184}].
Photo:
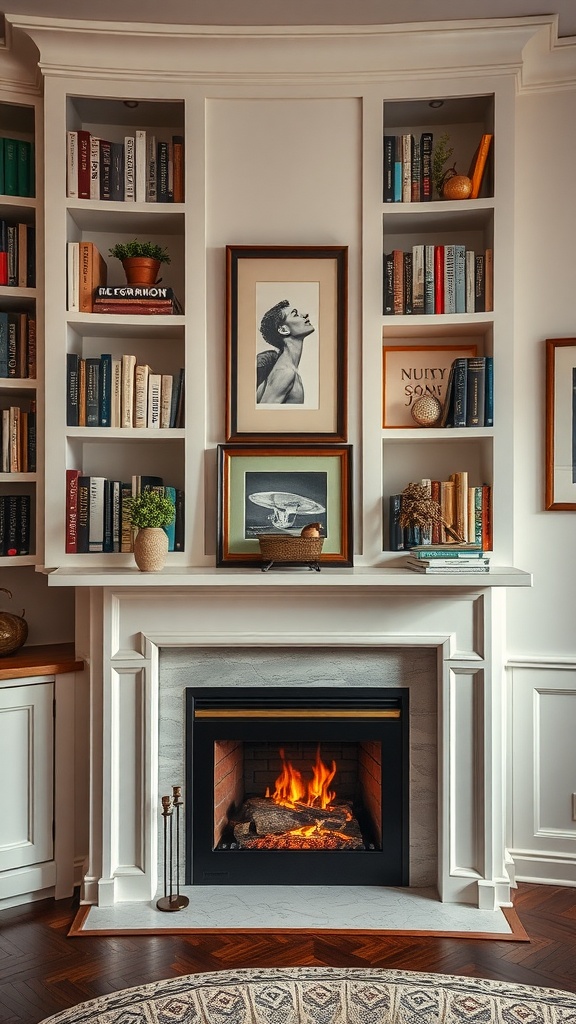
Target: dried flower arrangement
[{"x": 419, "y": 509}]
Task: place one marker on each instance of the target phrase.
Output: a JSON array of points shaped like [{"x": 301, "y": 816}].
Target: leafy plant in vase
[
  {"x": 149, "y": 512},
  {"x": 448, "y": 183},
  {"x": 141, "y": 260}
]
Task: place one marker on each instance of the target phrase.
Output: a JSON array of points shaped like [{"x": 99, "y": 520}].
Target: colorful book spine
[
  {"x": 72, "y": 476},
  {"x": 475, "y": 391},
  {"x": 388, "y": 172},
  {"x": 460, "y": 387},
  {"x": 489, "y": 393}
]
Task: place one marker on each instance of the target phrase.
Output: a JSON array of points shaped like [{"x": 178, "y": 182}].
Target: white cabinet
[{"x": 27, "y": 791}]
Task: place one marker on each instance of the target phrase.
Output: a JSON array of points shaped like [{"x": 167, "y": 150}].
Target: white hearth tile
[{"x": 258, "y": 907}]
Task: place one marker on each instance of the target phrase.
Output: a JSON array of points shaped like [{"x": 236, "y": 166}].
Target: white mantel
[{"x": 128, "y": 625}]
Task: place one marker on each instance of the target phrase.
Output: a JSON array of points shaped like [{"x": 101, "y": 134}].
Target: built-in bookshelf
[
  {"x": 423, "y": 227},
  {"x": 114, "y": 373},
  {"x": 21, "y": 331}
]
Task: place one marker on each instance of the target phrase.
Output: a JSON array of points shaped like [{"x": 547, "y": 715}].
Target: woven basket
[{"x": 277, "y": 547}]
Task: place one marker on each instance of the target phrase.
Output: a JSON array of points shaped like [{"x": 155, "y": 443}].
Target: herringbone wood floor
[{"x": 42, "y": 970}]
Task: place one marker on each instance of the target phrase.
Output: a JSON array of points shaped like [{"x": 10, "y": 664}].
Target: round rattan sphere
[{"x": 426, "y": 411}]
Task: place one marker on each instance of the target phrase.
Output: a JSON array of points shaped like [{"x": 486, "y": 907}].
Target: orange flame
[{"x": 292, "y": 790}]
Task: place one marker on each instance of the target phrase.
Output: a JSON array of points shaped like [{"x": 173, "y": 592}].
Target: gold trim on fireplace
[{"x": 297, "y": 713}]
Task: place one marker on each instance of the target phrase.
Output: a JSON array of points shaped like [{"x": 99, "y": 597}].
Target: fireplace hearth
[{"x": 297, "y": 787}]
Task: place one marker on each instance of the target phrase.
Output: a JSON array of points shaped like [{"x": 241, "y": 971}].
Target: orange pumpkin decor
[{"x": 457, "y": 186}]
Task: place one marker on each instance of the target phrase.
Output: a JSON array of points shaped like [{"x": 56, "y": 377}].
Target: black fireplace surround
[{"x": 363, "y": 732}]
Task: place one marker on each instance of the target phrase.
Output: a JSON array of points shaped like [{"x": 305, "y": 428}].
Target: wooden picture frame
[
  {"x": 295, "y": 485},
  {"x": 410, "y": 371},
  {"x": 560, "y": 492},
  {"x": 289, "y": 302}
]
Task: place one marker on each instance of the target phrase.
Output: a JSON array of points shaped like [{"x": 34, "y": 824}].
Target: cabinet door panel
[{"x": 26, "y": 769}]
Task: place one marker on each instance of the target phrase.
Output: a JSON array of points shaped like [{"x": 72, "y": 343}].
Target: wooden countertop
[{"x": 43, "y": 660}]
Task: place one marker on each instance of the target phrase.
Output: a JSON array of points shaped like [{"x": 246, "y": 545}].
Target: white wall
[{"x": 542, "y": 620}]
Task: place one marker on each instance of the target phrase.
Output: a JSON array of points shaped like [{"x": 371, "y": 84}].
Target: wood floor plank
[{"x": 43, "y": 971}]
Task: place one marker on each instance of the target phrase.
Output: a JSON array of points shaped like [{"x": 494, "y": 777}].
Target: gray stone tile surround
[{"x": 307, "y": 667}]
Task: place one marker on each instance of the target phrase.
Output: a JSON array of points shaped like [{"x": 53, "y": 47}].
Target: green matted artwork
[{"x": 279, "y": 489}]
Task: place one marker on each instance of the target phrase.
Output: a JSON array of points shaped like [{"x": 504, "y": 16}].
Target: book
[
  {"x": 141, "y": 373},
  {"x": 141, "y": 159},
  {"x": 116, "y": 393},
  {"x": 72, "y": 476},
  {"x": 92, "y": 392},
  {"x": 460, "y": 278},
  {"x": 475, "y": 391},
  {"x": 82, "y": 393},
  {"x": 10, "y": 167},
  {"x": 398, "y": 270},
  {"x": 25, "y": 168},
  {"x": 177, "y": 388},
  {"x": 93, "y": 274},
  {"x": 72, "y": 389},
  {"x": 94, "y": 167},
  {"x": 460, "y": 388},
  {"x": 105, "y": 390},
  {"x": 486, "y": 517},
  {"x": 167, "y": 383},
  {"x": 450, "y": 278},
  {"x": 395, "y": 531},
  {"x": 397, "y": 168},
  {"x": 416, "y": 192},
  {"x": 154, "y": 395},
  {"x": 469, "y": 274},
  {"x": 479, "y": 287},
  {"x": 105, "y": 169},
  {"x": 437, "y": 570},
  {"x": 129, "y": 168},
  {"x": 178, "y": 168},
  {"x": 30, "y": 256},
  {"x": 31, "y": 355},
  {"x": 3, "y": 344},
  {"x": 72, "y": 164},
  {"x": 96, "y": 513},
  {"x": 429, "y": 289},
  {"x": 126, "y": 531},
  {"x": 127, "y": 405},
  {"x": 32, "y": 431},
  {"x": 418, "y": 278},
  {"x": 72, "y": 276},
  {"x": 23, "y": 524},
  {"x": 131, "y": 292},
  {"x": 488, "y": 280},
  {"x": 162, "y": 172},
  {"x": 460, "y": 479},
  {"x": 478, "y": 165},
  {"x": 151, "y": 175},
  {"x": 448, "y": 507},
  {"x": 448, "y": 552},
  {"x": 134, "y": 307},
  {"x": 2, "y": 180},
  {"x": 83, "y": 164},
  {"x": 406, "y": 168},
  {"x": 22, "y": 251},
  {"x": 436, "y": 525},
  {"x": 83, "y": 505},
  {"x": 179, "y": 522},
  {"x": 408, "y": 269},
  {"x": 388, "y": 284},
  {"x": 11, "y": 536},
  {"x": 388, "y": 172},
  {"x": 489, "y": 392},
  {"x": 426, "y": 147},
  {"x": 117, "y": 172}
]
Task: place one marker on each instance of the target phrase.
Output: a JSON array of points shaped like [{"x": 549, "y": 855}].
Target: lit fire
[{"x": 291, "y": 790}]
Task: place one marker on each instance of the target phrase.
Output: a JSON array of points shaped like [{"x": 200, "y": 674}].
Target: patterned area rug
[{"x": 325, "y": 995}]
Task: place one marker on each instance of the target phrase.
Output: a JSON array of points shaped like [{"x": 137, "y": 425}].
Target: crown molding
[{"x": 294, "y": 54}]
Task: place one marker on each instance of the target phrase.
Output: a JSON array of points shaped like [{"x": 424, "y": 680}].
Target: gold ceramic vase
[{"x": 151, "y": 548}]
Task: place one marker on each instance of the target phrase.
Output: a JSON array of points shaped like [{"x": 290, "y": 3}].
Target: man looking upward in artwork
[{"x": 277, "y": 379}]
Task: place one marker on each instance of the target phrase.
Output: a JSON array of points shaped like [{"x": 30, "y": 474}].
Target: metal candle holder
[{"x": 172, "y": 900}]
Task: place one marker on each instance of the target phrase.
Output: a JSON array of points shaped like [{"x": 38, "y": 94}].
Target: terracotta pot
[
  {"x": 141, "y": 270},
  {"x": 151, "y": 549}
]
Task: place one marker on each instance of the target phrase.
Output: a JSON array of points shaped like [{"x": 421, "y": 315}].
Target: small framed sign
[{"x": 411, "y": 371}]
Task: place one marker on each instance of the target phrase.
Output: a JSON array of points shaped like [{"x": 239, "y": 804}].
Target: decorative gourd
[
  {"x": 457, "y": 186},
  {"x": 13, "y": 629}
]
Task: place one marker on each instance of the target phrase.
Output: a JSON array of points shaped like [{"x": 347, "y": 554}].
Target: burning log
[{"x": 273, "y": 826}]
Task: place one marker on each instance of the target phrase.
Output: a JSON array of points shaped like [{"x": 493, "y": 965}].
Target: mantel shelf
[{"x": 365, "y": 577}]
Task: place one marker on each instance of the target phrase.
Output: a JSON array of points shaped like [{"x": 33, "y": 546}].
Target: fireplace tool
[{"x": 172, "y": 900}]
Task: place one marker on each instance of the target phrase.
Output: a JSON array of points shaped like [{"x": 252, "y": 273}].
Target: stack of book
[
  {"x": 96, "y": 512},
  {"x": 18, "y": 438},
  {"x": 116, "y": 391},
  {"x": 448, "y": 558},
  {"x": 465, "y": 507},
  {"x": 141, "y": 169},
  {"x": 17, "y": 345},
  {"x": 135, "y": 300},
  {"x": 17, "y": 255},
  {"x": 469, "y": 398},
  {"x": 16, "y": 167},
  {"x": 435, "y": 279},
  {"x": 14, "y": 524},
  {"x": 408, "y": 168}
]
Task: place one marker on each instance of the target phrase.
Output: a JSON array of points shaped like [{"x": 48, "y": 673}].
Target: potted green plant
[
  {"x": 149, "y": 512},
  {"x": 141, "y": 260}
]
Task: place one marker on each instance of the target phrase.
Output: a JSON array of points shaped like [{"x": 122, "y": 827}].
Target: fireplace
[{"x": 297, "y": 786}]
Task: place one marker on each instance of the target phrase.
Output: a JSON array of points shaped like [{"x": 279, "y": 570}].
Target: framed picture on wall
[
  {"x": 411, "y": 371},
  {"x": 560, "y": 424},
  {"x": 286, "y": 343},
  {"x": 279, "y": 489}
]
